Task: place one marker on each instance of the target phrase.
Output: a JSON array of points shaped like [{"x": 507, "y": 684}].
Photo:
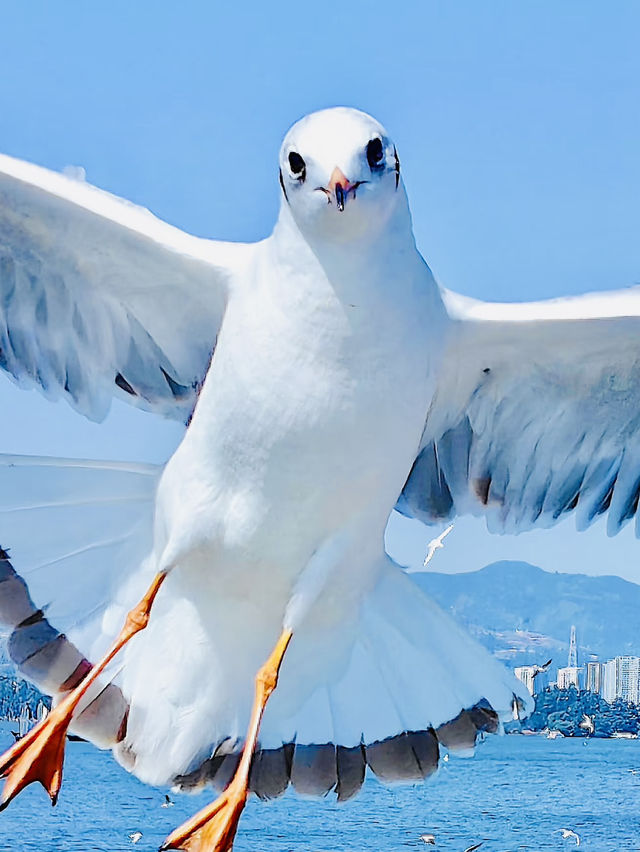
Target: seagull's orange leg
[
  {"x": 213, "y": 829},
  {"x": 39, "y": 755}
]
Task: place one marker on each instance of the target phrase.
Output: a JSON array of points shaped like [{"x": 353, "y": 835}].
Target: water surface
[{"x": 514, "y": 794}]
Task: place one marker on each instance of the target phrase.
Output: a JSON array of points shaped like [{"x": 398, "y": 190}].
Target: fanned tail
[{"x": 404, "y": 681}]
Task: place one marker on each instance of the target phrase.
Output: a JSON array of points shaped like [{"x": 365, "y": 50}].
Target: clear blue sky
[{"x": 517, "y": 125}]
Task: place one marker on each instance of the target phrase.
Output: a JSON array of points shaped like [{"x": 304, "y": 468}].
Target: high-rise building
[
  {"x": 569, "y": 676},
  {"x": 621, "y": 679},
  {"x": 628, "y": 679},
  {"x": 595, "y": 674},
  {"x": 527, "y": 674},
  {"x": 609, "y": 690}
]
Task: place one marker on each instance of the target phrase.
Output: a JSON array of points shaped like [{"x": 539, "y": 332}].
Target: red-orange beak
[{"x": 339, "y": 186}]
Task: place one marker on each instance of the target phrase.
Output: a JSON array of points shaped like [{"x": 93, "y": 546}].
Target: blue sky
[{"x": 517, "y": 125}]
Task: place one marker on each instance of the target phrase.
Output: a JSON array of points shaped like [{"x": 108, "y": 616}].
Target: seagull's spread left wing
[
  {"x": 536, "y": 414},
  {"x": 99, "y": 298}
]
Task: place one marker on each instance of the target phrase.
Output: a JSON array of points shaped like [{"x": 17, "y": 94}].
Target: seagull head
[{"x": 340, "y": 174}]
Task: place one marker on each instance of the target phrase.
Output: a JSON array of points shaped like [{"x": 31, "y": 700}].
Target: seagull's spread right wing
[
  {"x": 536, "y": 414},
  {"x": 99, "y": 298}
]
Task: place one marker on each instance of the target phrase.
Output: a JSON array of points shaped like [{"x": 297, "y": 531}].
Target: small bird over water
[
  {"x": 168, "y": 803},
  {"x": 135, "y": 836},
  {"x": 428, "y": 838},
  {"x": 588, "y": 723},
  {"x": 567, "y": 834}
]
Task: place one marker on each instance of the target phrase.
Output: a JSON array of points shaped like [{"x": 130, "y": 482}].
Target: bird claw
[
  {"x": 38, "y": 756},
  {"x": 214, "y": 828}
]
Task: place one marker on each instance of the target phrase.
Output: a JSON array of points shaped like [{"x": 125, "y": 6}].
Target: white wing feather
[
  {"x": 99, "y": 298},
  {"x": 537, "y": 413}
]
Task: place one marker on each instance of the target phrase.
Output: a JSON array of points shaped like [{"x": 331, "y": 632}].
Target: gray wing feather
[
  {"x": 536, "y": 415},
  {"x": 99, "y": 298}
]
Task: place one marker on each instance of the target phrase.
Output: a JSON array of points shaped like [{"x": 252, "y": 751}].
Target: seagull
[
  {"x": 474, "y": 847},
  {"x": 168, "y": 803},
  {"x": 231, "y": 617},
  {"x": 567, "y": 833},
  {"x": 135, "y": 836},
  {"x": 587, "y": 723},
  {"x": 436, "y": 544},
  {"x": 429, "y": 839},
  {"x": 539, "y": 669}
]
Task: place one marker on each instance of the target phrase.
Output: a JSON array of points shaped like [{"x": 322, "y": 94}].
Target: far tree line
[
  {"x": 15, "y": 694},
  {"x": 563, "y": 710},
  {"x": 555, "y": 709}
]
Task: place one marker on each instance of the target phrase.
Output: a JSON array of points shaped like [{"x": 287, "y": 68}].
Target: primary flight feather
[{"x": 326, "y": 378}]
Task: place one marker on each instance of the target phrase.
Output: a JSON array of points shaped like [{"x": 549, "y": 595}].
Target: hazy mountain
[{"x": 524, "y": 614}]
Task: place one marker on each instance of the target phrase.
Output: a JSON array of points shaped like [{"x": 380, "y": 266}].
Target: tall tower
[{"x": 573, "y": 650}]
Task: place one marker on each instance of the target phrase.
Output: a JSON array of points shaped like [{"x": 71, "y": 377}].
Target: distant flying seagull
[
  {"x": 326, "y": 378},
  {"x": 474, "y": 847},
  {"x": 167, "y": 802},
  {"x": 567, "y": 833},
  {"x": 135, "y": 836},
  {"x": 436, "y": 544},
  {"x": 539, "y": 669},
  {"x": 428, "y": 838}
]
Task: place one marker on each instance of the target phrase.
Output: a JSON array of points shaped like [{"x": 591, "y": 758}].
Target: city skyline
[{"x": 618, "y": 677}]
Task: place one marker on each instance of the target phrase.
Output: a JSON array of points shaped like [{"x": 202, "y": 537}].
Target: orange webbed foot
[
  {"x": 213, "y": 829},
  {"x": 38, "y": 756}
]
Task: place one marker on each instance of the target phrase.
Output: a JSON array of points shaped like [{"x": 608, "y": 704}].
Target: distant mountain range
[{"x": 524, "y": 614}]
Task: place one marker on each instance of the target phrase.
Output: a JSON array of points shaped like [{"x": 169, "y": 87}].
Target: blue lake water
[{"x": 514, "y": 794}]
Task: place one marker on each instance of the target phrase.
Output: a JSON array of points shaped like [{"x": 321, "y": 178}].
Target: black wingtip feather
[{"x": 124, "y": 385}]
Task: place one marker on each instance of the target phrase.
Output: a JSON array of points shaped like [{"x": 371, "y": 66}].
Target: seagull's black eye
[
  {"x": 375, "y": 153},
  {"x": 297, "y": 165}
]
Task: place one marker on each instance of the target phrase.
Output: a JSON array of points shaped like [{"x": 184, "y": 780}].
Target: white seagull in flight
[
  {"x": 568, "y": 834},
  {"x": 325, "y": 378},
  {"x": 436, "y": 544}
]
